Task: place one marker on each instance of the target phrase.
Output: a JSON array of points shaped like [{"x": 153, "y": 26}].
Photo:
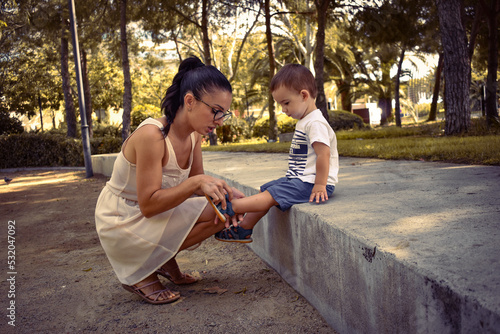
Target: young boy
[{"x": 313, "y": 161}]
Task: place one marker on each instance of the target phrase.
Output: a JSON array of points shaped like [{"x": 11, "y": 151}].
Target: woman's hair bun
[{"x": 190, "y": 63}]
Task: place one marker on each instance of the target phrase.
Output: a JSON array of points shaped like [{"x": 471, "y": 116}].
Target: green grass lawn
[{"x": 424, "y": 142}]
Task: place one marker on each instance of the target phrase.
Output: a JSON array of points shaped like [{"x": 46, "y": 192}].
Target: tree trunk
[
  {"x": 40, "y": 107},
  {"x": 86, "y": 93},
  {"x": 437, "y": 85},
  {"x": 397, "y": 112},
  {"x": 491, "y": 79},
  {"x": 345, "y": 99},
  {"x": 385, "y": 104},
  {"x": 308, "y": 56},
  {"x": 204, "y": 28},
  {"x": 456, "y": 67},
  {"x": 207, "y": 57},
  {"x": 385, "y": 97},
  {"x": 127, "y": 84},
  {"x": 273, "y": 128},
  {"x": 321, "y": 9},
  {"x": 66, "y": 83},
  {"x": 474, "y": 29}
]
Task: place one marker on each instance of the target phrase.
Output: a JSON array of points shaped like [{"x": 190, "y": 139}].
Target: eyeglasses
[{"x": 218, "y": 114}]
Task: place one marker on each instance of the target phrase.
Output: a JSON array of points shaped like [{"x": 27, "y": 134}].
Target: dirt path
[{"x": 64, "y": 283}]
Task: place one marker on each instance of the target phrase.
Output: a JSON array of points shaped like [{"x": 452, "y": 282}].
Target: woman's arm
[
  {"x": 148, "y": 147},
  {"x": 197, "y": 169}
]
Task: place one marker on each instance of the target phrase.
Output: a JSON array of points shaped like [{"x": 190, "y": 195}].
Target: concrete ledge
[
  {"x": 285, "y": 137},
  {"x": 103, "y": 163},
  {"x": 402, "y": 247}
]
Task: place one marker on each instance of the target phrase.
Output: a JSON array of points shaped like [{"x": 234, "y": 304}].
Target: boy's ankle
[{"x": 242, "y": 225}]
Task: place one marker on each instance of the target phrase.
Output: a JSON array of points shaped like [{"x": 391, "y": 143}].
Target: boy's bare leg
[
  {"x": 251, "y": 219},
  {"x": 255, "y": 207},
  {"x": 256, "y": 203}
]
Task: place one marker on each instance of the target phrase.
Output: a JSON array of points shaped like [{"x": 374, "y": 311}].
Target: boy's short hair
[{"x": 296, "y": 77}]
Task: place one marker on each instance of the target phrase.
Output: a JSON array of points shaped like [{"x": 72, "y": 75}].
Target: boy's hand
[{"x": 318, "y": 194}]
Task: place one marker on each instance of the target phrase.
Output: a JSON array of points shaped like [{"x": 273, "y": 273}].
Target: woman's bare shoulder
[
  {"x": 147, "y": 138},
  {"x": 147, "y": 131}
]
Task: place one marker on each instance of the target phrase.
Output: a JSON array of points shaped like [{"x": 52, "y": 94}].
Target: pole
[
  {"x": 40, "y": 106},
  {"x": 81, "y": 97},
  {"x": 246, "y": 97}
]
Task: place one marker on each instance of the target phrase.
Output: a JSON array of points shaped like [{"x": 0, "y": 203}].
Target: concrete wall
[
  {"x": 103, "y": 163},
  {"x": 355, "y": 286}
]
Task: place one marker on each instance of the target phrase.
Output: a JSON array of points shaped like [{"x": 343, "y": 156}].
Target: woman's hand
[
  {"x": 215, "y": 188},
  {"x": 239, "y": 216}
]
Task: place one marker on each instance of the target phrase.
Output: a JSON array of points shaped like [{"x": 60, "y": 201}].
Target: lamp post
[{"x": 81, "y": 98}]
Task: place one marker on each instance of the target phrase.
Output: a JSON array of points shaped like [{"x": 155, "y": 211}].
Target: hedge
[
  {"x": 49, "y": 150},
  {"x": 233, "y": 130},
  {"x": 284, "y": 123},
  {"x": 338, "y": 120},
  {"x": 345, "y": 120},
  {"x": 55, "y": 149}
]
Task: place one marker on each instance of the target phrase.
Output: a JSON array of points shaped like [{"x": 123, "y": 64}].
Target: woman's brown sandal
[
  {"x": 137, "y": 291},
  {"x": 186, "y": 278}
]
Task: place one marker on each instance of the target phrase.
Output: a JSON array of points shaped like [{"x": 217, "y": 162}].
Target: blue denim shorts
[{"x": 289, "y": 191}]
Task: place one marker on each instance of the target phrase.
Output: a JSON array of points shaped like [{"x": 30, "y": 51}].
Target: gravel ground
[{"x": 63, "y": 282}]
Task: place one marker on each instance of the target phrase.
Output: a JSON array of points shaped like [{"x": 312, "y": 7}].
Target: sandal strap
[
  {"x": 229, "y": 208},
  {"x": 145, "y": 285},
  {"x": 225, "y": 234},
  {"x": 241, "y": 232},
  {"x": 158, "y": 292},
  {"x": 236, "y": 233}
]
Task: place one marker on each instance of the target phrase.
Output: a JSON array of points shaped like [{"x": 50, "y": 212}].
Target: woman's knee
[{"x": 208, "y": 214}]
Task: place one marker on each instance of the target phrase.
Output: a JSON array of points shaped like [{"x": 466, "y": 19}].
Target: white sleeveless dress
[{"x": 135, "y": 245}]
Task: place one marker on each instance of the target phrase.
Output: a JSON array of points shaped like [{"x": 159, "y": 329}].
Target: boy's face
[{"x": 292, "y": 103}]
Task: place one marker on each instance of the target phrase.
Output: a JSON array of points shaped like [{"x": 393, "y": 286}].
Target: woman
[{"x": 150, "y": 208}]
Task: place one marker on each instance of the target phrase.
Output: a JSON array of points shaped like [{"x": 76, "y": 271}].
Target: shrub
[
  {"x": 107, "y": 131},
  {"x": 9, "y": 125},
  {"x": 62, "y": 130},
  {"x": 233, "y": 130},
  {"x": 49, "y": 150},
  {"x": 339, "y": 120},
  {"x": 99, "y": 130},
  {"x": 35, "y": 150},
  {"x": 285, "y": 124},
  {"x": 480, "y": 127},
  {"x": 104, "y": 145},
  {"x": 141, "y": 112},
  {"x": 344, "y": 120}
]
